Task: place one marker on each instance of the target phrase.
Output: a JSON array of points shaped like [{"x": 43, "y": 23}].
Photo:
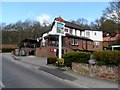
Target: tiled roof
[
  {"x": 69, "y": 24},
  {"x": 112, "y": 38},
  {"x": 84, "y": 38},
  {"x": 73, "y": 25},
  {"x": 107, "y": 38},
  {"x": 29, "y": 40}
]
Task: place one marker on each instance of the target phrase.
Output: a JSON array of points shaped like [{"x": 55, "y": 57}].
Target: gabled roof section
[
  {"x": 67, "y": 24},
  {"x": 49, "y": 29}
]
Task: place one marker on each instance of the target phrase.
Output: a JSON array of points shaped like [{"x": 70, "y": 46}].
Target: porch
[{"x": 53, "y": 40}]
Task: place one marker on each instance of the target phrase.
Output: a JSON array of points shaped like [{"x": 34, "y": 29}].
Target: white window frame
[
  {"x": 74, "y": 42},
  {"x": 97, "y": 43}
]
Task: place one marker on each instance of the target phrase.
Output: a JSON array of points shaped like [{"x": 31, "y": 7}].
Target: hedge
[
  {"x": 7, "y": 49},
  {"x": 80, "y": 57},
  {"x": 51, "y": 60},
  {"x": 107, "y": 57}
]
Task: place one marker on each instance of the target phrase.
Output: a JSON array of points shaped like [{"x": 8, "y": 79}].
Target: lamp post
[
  {"x": 60, "y": 46},
  {"x": 60, "y": 31}
]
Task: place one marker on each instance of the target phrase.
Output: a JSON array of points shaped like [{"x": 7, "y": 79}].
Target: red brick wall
[
  {"x": 41, "y": 52},
  {"x": 45, "y": 51},
  {"x": 80, "y": 46},
  {"x": 100, "y": 47},
  {"x": 107, "y": 43},
  {"x": 49, "y": 51},
  {"x": 90, "y": 45}
]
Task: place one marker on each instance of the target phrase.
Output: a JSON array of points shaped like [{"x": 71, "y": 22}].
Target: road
[{"x": 15, "y": 75}]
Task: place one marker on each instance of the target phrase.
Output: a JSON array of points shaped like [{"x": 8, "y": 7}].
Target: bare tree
[
  {"x": 113, "y": 11},
  {"x": 82, "y": 21}
]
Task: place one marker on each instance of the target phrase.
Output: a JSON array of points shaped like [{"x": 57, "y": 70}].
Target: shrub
[
  {"x": 80, "y": 57},
  {"x": 60, "y": 62},
  {"x": 107, "y": 57},
  {"x": 51, "y": 60},
  {"x": 7, "y": 49}
]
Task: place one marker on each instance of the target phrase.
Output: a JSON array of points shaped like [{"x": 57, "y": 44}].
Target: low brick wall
[
  {"x": 103, "y": 72},
  {"x": 9, "y": 46}
]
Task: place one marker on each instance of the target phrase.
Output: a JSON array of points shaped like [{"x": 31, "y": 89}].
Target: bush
[
  {"x": 51, "y": 60},
  {"x": 60, "y": 62},
  {"x": 80, "y": 57},
  {"x": 7, "y": 49},
  {"x": 107, "y": 57}
]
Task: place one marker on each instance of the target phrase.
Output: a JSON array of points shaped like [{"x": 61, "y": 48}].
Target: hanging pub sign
[{"x": 60, "y": 27}]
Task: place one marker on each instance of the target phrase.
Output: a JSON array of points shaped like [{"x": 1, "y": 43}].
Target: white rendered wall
[
  {"x": 78, "y": 33},
  {"x": 53, "y": 31},
  {"x": 43, "y": 40},
  {"x": 98, "y": 36},
  {"x": 95, "y": 35},
  {"x": 73, "y": 32},
  {"x": 82, "y": 33}
]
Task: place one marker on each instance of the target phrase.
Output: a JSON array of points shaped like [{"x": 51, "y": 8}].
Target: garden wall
[{"x": 103, "y": 72}]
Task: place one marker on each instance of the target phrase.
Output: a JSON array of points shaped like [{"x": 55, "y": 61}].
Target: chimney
[{"x": 59, "y": 19}]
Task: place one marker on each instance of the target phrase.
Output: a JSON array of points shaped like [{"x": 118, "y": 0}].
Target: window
[
  {"x": 95, "y": 33},
  {"x": 75, "y": 32},
  {"x": 96, "y": 43},
  {"x": 66, "y": 29},
  {"x": 88, "y": 34},
  {"x": 71, "y": 31},
  {"x": 80, "y": 33},
  {"x": 74, "y": 42}
]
